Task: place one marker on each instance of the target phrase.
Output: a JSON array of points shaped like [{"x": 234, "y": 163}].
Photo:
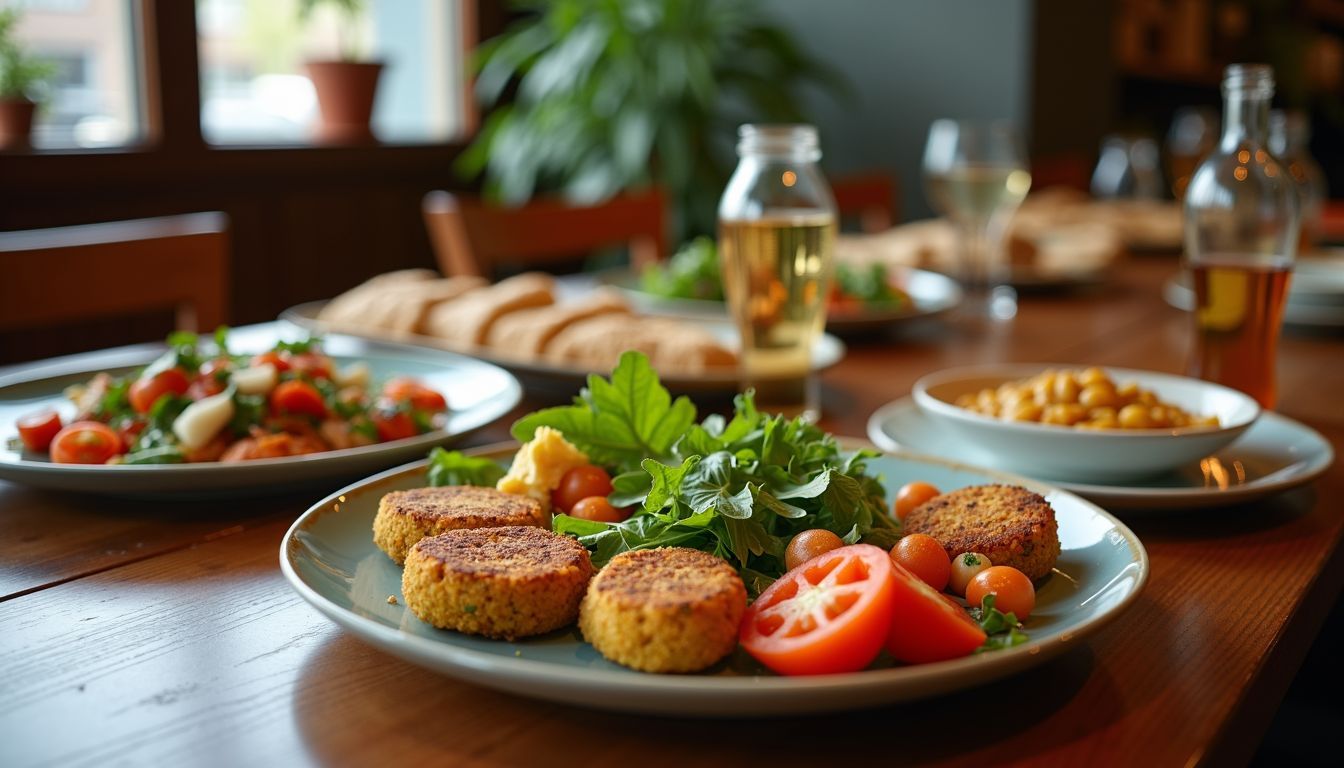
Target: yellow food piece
[
  {"x": 539, "y": 465},
  {"x": 1086, "y": 399}
]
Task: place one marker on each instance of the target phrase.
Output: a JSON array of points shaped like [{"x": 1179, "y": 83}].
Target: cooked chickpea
[{"x": 1086, "y": 399}]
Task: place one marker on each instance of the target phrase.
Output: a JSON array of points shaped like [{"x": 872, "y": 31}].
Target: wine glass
[{"x": 975, "y": 175}]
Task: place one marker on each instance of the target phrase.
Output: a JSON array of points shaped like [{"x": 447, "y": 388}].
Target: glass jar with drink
[
  {"x": 1241, "y": 232},
  {"x": 777, "y": 226}
]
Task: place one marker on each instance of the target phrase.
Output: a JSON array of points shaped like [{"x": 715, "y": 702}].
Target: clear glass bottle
[
  {"x": 1289, "y": 140},
  {"x": 777, "y": 226},
  {"x": 1241, "y": 232}
]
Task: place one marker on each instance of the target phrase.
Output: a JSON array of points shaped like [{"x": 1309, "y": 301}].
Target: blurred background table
[{"x": 163, "y": 633}]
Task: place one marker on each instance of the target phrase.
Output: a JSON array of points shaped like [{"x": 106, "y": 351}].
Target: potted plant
[
  {"x": 346, "y": 86},
  {"x": 20, "y": 76},
  {"x": 590, "y": 99}
]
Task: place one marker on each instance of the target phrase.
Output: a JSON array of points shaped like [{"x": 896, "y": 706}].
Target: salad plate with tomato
[
  {"x": 846, "y": 610},
  {"x": 242, "y": 412}
]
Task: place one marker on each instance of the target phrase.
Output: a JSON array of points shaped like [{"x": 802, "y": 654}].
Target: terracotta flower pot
[
  {"x": 345, "y": 94},
  {"x": 16, "y": 123}
]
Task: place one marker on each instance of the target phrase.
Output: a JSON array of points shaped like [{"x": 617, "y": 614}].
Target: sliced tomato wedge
[
  {"x": 831, "y": 614},
  {"x": 927, "y": 625},
  {"x": 37, "y": 430}
]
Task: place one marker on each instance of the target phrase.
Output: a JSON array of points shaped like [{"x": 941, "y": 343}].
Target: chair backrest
[
  {"x": 95, "y": 271},
  {"x": 870, "y": 197},
  {"x": 471, "y": 237}
]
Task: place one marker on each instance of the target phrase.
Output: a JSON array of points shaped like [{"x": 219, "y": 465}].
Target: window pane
[
  {"x": 91, "y": 98},
  {"x": 254, "y": 89}
]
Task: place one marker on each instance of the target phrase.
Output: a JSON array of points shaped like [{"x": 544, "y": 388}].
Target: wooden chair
[
  {"x": 870, "y": 197},
  {"x": 472, "y": 238},
  {"x": 100, "y": 271}
]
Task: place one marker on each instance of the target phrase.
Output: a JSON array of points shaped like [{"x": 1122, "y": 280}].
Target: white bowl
[{"x": 1085, "y": 455}]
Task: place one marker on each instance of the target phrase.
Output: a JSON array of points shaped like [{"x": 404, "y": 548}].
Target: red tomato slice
[
  {"x": 36, "y": 430},
  {"x": 394, "y": 425},
  {"x": 85, "y": 442},
  {"x": 314, "y": 365},
  {"x": 831, "y": 614},
  {"x": 280, "y": 360},
  {"x": 145, "y": 391},
  {"x": 926, "y": 625},
  {"x": 297, "y": 397},
  {"x": 421, "y": 398}
]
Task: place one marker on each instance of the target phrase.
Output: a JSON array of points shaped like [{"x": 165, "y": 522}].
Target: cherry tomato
[
  {"x": 85, "y": 442},
  {"x": 314, "y": 365},
  {"x": 145, "y": 391},
  {"x": 928, "y": 625},
  {"x": 912, "y": 495},
  {"x": 278, "y": 359},
  {"x": 393, "y": 424},
  {"x": 964, "y": 568},
  {"x": 298, "y": 397},
  {"x": 421, "y": 398},
  {"x": 923, "y": 556},
  {"x": 1012, "y": 590},
  {"x": 808, "y": 544},
  {"x": 830, "y": 614},
  {"x": 36, "y": 430},
  {"x": 599, "y": 509},
  {"x": 579, "y": 483},
  {"x": 204, "y": 386}
]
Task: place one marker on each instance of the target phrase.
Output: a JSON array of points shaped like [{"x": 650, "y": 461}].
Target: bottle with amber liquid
[{"x": 1241, "y": 235}]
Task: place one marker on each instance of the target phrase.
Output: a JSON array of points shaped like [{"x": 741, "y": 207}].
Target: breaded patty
[
  {"x": 664, "y": 610},
  {"x": 1008, "y": 524},
  {"x": 405, "y": 517},
  {"x": 505, "y": 583}
]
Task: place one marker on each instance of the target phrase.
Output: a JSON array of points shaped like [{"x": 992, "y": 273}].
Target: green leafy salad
[{"x": 739, "y": 488}]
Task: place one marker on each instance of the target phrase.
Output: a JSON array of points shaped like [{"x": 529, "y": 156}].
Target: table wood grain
[{"x": 164, "y": 633}]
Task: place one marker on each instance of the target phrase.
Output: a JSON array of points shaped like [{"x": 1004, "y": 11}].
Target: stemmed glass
[{"x": 975, "y": 174}]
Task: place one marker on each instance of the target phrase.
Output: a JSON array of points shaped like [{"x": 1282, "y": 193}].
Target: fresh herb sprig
[
  {"x": 1003, "y": 629},
  {"x": 457, "y": 468}
]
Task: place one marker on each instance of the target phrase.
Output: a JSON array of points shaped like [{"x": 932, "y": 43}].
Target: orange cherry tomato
[
  {"x": 146, "y": 390},
  {"x": 923, "y": 556},
  {"x": 421, "y": 398},
  {"x": 278, "y": 359},
  {"x": 36, "y": 430},
  {"x": 297, "y": 397},
  {"x": 598, "y": 509},
  {"x": 830, "y": 614},
  {"x": 314, "y": 365},
  {"x": 1012, "y": 590},
  {"x": 85, "y": 442},
  {"x": 928, "y": 625},
  {"x": 808, "y": 544},
  {"x": 393, "y": 424},
  {"x": 578, "y": 484},
  {"x": 911, "y": 495}
]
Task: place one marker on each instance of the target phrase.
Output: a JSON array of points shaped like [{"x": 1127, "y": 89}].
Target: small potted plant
[
  {"x": 20, "y": 77},
  {"x": 346, "y": 86}
]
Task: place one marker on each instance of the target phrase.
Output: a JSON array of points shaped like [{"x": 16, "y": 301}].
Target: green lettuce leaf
[{"x": 457, "y": 468}]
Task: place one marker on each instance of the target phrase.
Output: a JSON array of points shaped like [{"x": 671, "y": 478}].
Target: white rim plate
[
  {"x": 478, "y": 394},
  {"x": 329, "y": 558},
  {"x": 1274, "y": 455}
]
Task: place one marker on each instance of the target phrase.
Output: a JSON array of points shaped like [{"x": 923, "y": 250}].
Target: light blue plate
[
  {"x": 1274, "y": 455},
  {"x": 329, "y": 557},
  {"x": 478, "y": 393}
]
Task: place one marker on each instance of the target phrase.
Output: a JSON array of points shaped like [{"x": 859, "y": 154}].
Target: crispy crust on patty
[
  {"x": 406, "y": 517},
  {"x": 664, "y": 610},
  {"x": 1008, "y": 524},
  {"x": 507, "y": 582}
]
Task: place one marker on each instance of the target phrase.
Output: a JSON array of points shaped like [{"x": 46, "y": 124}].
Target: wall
[{"x": 910, "y": 63}]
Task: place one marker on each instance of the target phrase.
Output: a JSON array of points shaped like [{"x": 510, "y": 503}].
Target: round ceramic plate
[
  {"x": 1275, "y": 454},
  {"x": 930, "y": 292},
  {"x": 478, "y": 393},
  {"x": 329, "y": 557},
  {"x": 535, "y": 373}
]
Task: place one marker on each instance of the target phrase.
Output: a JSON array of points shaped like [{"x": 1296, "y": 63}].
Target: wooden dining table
[{"x": 163, "y": 633}]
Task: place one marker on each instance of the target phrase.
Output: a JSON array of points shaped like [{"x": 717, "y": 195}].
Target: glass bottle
[
  {"x": 1241, "y": 232},
  {"x": 1289, "y": 138},
  {"x": 777, "y": 227}
]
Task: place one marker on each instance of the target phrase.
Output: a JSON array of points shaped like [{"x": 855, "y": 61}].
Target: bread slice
[
  {"x": 397, "y": 306},
  {"x": 467, "y": 321},
  {"x": 671, "y": 345},
  {"x": 528, "y": 331}
]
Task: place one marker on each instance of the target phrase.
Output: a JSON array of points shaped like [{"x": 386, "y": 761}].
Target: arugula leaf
[
  {"x": 247, "y": 410},
  {"x": 298, "y": 347},
  {"x": 164, "y": 454},
  {"x": 629, "y": 489},
  {"x": 116, "y": 401},
  {"x": 457, "y": 468},
  {"x": 620, "y": 422},
  {"x": 1002, "y": 629}
]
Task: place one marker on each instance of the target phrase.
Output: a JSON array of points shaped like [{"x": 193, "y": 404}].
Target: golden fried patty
[
  {"x": 664, "y": 610},
  {"x": 1008, "y": 524},
  {"x": 505, "y": 582},
  {"x": 405, "y": 517}
]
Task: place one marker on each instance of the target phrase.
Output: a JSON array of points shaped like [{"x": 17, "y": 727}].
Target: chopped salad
[{"x": 200, "y": 402}]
